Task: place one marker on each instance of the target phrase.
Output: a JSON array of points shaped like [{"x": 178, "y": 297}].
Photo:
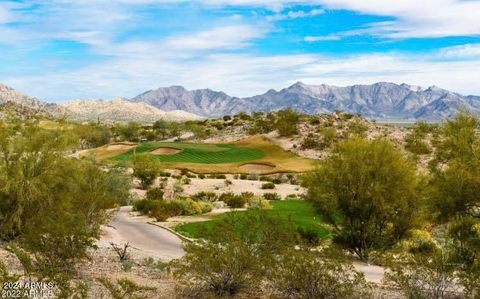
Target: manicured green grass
[
  {"x": 301, "y": 213},
  {"x": 197, "y": 152}
]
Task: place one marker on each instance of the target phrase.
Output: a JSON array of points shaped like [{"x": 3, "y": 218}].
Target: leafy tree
[
  {"x": 146, "y": 168},
  {"x": 287, "y": 121},
  {"x": 415, "y": 140},
  {"x": 367, "y": 190},
  {"x": 454, "y": 199},
  {"x": 129, "y": 131},
  {"x": 51, "y": 206}
]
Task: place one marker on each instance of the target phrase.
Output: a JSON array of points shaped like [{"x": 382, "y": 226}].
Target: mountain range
[{"x": 381, "y": 100}]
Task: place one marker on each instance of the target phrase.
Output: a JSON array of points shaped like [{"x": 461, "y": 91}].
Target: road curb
[{"x": 184, "y": 238}]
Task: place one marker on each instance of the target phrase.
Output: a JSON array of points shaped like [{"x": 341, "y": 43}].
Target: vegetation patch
[
  {"x": 301, "y": 213},
  {"x": 196, "y": 152}
]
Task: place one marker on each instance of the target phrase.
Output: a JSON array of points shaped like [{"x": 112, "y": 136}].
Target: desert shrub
[
  {"x": 268, "y": 186},
  {"x": 236, "y": 176},
  {"x": 125, "y": 289},
  {"x": 220, "y": 176},
  {"x": 424, "y": 275},
  {"x": 201, "y": 176},
  {"x": 235, "y": 202},
  {"x": 228, "y": 182},
  {"x": 144, "y": 206},
  {"x": 188, "y": 206},
  {"x": 259, "y": 203},
  {"x": 277, "y": 180},
  {"x": 205, "y": 196},
  {"x": 310, "y": 142},
  {"x": 243, "y": 176},
  {"x": 163, "y": 210},
  {"x": 265, "y": 178},
  {"x": 191, "y": 176},
  {"x": 306, "y": 274},
  {"x": 205, "y": 207},
  {"x": 187, "y": 181},
  {"x": 291, "y": 196},
  {"x": 357, "y": 128},
  {"x": 154, "y": 193},
  {"x": 235, "y": 259},
  {"x": 247, "y": 195},
  {"x": 227, "y": 117},
  {"x": 309, "y": 235},
  {"x": 272, "y": 196},
  {"x": 252, "y": 177},
  {"x": 164, "y": 174}
]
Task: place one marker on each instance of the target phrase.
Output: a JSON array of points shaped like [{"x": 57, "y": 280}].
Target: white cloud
[
  {"x": 413, "y": 18},
  {"x": 228, "y": 37},
  {"x": 311, "y": 38},
  {"x": 246, "y": 74},
  {"x": 296, "y": 14},
  {"x": 462, "y": 51}
]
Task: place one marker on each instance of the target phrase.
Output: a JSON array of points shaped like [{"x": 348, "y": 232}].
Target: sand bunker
[
  {"x": 257, "y": 167},
  {"x": 165, "y": 151},
  {"x": 119, "y": 147}
]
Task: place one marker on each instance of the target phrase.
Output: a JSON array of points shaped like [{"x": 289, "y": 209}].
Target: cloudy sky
[{"x": 64, "y": 49}]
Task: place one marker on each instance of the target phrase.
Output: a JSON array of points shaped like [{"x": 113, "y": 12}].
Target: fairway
[
  {"x": 301, "y": 213},
  {"x": 256, "y": 154},
  {"x": 196, "y": 152}
]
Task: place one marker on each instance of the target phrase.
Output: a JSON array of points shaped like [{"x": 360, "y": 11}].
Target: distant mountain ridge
[
  {"x": 120, "y": 110},
  {"x": 114, "y": 110},
  {"x": 381, "y": 100}
]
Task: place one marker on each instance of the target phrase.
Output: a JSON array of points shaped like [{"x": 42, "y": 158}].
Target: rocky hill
[
  {"x": 381, "y": 100},
  {"x": 116, "y": 110},
  {"x": 120, "y": 110}
]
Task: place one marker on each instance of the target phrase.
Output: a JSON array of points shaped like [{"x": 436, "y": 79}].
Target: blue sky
[{"x": 60, "y": 49}]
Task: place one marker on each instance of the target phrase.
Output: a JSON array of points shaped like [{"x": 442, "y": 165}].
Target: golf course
[{"x": 256, "y": 154}]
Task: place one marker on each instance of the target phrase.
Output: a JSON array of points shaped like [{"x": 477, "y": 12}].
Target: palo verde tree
[
  {"x": 146, "y": 168},
  {"x": 367, "y": 190},
  {"x": 51, "y": 205},
  {"x": 456, "y": 187},
  {"x": 286, "y": 122}
]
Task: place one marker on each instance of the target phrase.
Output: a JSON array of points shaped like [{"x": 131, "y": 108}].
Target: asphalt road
[{"x": 146, "y": 237}]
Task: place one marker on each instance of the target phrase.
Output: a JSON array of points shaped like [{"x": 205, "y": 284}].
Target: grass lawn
[
  {"x": 197, "y": 152},
  {"x": 216, "y": 158},
  {"x": 301, "y": 213}
]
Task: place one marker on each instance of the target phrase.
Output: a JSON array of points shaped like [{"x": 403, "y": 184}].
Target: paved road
[
  {"x": 146, "y": 237},
  {"x": 163, "y": 244}
]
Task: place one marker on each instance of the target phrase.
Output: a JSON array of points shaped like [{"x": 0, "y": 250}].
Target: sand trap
[
  {"x": 119, "y": 147},
  {"x": 257, "y": 167},
  {"x": 165, "y": 151}
]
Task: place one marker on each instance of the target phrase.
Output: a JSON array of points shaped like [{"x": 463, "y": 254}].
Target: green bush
[
  {"x": 259, "y": 203},
  {"x": 235, "y": 202},
  {"x": 243, "y": 176},
  {"x": 252, "y": 177},
  {"x": 201, "y": 176},
  {"x": 154, "y": 193},
  {"x": 268, "y": 186},
  {"x": 271, "y": 196},
  {"x": 205, "y": 196}
]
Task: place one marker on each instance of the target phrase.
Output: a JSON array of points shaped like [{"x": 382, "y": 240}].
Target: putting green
[{"x": 195, "y": 152}]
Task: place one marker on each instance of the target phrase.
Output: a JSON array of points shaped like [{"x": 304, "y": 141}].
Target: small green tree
[
  {"x": 146, "y": 168},
  {"x": 367, "y": 190},
  {"x": 454, "y": 199},
  {"x": 287, "y": 121}
]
